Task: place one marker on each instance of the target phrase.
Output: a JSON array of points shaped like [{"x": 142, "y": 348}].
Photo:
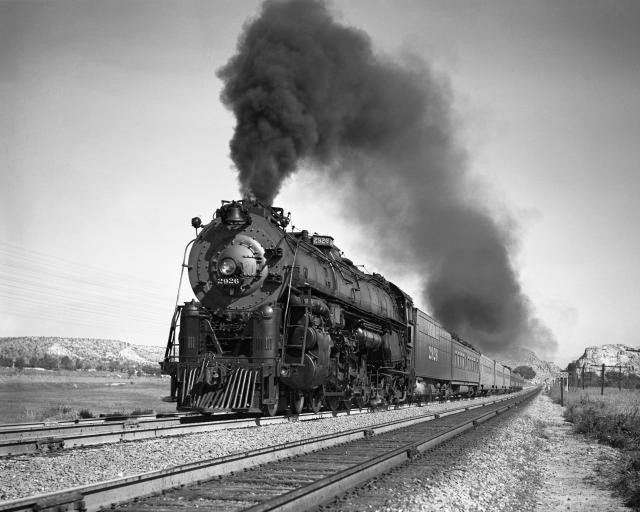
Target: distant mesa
[{"x": 610, "y": 355}]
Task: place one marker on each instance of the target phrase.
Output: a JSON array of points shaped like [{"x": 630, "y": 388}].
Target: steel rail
[
  {"x": 49, "y": 438},
  {"x": 55, "y": 439},
  {"x": 23, "y": 430},
  {"x": 311, "y": 495},
  {"x": 68, "y": 430},
  {"x": 104, "y": 494}
]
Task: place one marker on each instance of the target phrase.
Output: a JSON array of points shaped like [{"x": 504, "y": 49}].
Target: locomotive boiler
[{"x": 282, "y": 319}]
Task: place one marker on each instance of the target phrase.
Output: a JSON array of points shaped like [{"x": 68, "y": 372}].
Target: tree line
[{"x": 49, "y": 362}]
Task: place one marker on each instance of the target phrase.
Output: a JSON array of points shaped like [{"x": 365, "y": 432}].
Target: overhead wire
[{"x": 39, "y": 285}]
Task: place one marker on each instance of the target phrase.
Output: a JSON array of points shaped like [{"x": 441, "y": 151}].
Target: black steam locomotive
[{"x": 283, "y": 320}]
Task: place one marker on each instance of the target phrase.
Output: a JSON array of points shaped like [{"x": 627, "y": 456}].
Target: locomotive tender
[{"x": 283, "y": 320}]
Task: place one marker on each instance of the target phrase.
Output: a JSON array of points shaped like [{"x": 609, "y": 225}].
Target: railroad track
[
  {"x": 284, "y": 477},
  {"x": 25, "y": 439},
  {"x": 7, "y": 427},
  {"x": 22, "y": 439}
]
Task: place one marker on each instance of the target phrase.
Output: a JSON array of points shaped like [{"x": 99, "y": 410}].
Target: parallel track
[
  {"x": 27, "y": 438},
  {"x": 20, "y": 440},
  {"x": 294, "y": 484}
]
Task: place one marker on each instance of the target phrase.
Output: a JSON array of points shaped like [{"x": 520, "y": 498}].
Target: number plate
[
  {"x": 228, "y": 281},
  {"x": 322, "y": 240}
]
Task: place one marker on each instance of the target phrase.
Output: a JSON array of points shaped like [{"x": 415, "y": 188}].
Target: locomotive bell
[{"x": 233, "y": 215}]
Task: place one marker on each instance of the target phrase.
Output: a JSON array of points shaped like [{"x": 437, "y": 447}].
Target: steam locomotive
[{"x": 284, "y": 321}]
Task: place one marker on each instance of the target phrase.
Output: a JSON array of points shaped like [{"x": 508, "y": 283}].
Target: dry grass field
[
  {"x": 48, "y": 395},
  {"x": 614, "y": 419}
]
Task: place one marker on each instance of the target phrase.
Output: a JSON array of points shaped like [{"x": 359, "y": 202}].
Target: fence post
[
  {"x": 561, "y": 391},
  {"x": 583, "y": 376},
  {"x": 602, "y": 382},
  {"x": 619, "y": 377}
]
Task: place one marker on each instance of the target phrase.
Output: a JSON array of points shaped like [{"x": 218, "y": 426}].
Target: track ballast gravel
[
  {"x": 527, "y": 461},
  {"x": 32, "y": 474}
]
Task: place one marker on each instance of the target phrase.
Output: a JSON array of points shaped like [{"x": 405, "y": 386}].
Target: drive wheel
[
  {"x": 174, "y": 386},
  {"x": 333, "y": 402},
  {"x": 362, "y": 401},
  {"x": 271, "y": 409},
  {"x": 298, "y": 403},
  {"x": 316, "y": 404}
]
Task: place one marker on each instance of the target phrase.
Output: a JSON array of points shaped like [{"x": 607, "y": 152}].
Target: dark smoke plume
[{"x": 305, "y": 88}]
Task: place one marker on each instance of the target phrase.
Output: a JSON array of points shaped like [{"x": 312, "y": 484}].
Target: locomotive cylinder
[
  {"x": 189, "y": 338},
  {"x": 265, "y": 332}
]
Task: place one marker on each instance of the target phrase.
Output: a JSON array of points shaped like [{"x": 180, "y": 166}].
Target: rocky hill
[
  {"x": 115, "y": 354},
  {"x": 525, "y": 357},
  {"x": 610, "y": 355},
  {"x": 77, "y": 353}
]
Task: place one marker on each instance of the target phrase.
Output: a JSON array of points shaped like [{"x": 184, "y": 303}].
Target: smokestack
[{"x": 305, "y": 88}]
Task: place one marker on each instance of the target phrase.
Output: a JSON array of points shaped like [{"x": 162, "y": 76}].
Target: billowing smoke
[{"x": 307, "y": 89}]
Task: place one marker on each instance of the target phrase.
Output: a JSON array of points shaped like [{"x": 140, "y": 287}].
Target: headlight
[{"x": 227, "y": 266}]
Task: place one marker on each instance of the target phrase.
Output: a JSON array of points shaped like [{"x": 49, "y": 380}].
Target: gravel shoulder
[
  {"x": 528, "y": 460},
  {"x": 573, "y": 467}
]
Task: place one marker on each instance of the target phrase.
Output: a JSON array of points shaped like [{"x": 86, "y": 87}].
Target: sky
[{"x": 113, "y": 137}]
